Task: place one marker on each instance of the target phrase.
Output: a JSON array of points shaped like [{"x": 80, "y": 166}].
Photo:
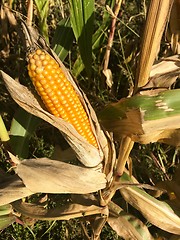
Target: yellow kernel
[
  {"x": 39, "y": 70},
  {"x": 48, "y": 78},
  {"x": 31, "y": 74},
  {"x": 48, "y": 90},
  {"x": 42, "y": 57},
  {"x": 45, "y": 62},
  {"x": 61, "y": 75},
  {"x": 38, "y": 84},
  {"x": 32, "y": 67},
  {"x": 56, "y": 65},
  {"x": 40, "y": 89},
  {"x": 48, "y": 67},
  {"x": 51, "y": 62},
  {"x": 39, "y": 52},
  {"x": 36, "y": 57},
  {"x": 32, "y": 61},
  {"x": 38, "y": 63},
  {"x": 46, "y": 86},
  {"x": 51, "y": 94},
  {"x": 43, "y": 94},
  {"x": 55, "y": 113},
  {"x": 47, "y": 57},
  {"x": 43, "y": 81},
  {"x": 39, "y": 77},
  {"x": 53, "y": 71}
]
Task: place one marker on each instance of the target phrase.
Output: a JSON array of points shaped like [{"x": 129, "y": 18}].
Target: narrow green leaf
[
  {"x": 63, "y": 38},
  {"x": 22, "y": 127},
  {"x": 82, "y": 22}
]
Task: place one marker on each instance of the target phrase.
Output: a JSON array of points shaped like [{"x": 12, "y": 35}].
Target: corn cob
[{"x": 57, "y": 93}]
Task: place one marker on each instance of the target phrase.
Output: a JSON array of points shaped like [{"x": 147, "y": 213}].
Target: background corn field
[{"x": 103, "y": 44}]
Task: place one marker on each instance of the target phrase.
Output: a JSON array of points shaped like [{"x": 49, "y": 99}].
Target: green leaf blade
[
  {"x": 82, "y": 22},
  {"x": 22, "y": 127},
  {"x": 63, "y": 39}
]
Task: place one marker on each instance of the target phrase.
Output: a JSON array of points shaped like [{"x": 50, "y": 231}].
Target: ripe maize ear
[{"x": 57, "y": 93}]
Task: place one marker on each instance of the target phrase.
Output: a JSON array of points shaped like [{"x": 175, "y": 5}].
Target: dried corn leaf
[
  {"x": 97, "y": 224},
  {"x": 157, "y": 212},
  {"x": 12, "y": 189},
  {"x": 65, "y": 212},
  {"x": 155, "y": 24},
  {"x": 51, "y": 176}
]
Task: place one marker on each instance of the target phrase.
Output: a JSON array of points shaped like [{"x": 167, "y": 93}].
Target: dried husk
[{"x": 50, "y": 176}]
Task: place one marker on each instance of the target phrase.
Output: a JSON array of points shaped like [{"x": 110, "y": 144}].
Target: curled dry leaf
[
  {"x": 164, "y": 73},
  {"x": 51, "y": 176},
  {"x": 108, "y": 75},
  {"x": 12, "y": 189},
  {"x": 65, "y": 212}
]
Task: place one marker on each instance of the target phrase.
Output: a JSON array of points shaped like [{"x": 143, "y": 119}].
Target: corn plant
[{"x": 100, "y": 142}]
